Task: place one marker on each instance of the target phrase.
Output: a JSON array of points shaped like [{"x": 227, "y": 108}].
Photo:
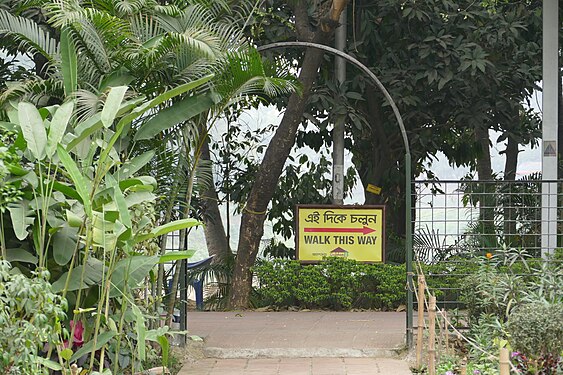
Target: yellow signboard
[
  {"x": 353, "y": 232},
  {"x": 373, "y": 189}
]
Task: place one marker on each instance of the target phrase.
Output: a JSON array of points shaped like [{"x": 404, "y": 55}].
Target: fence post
[
  {"x": 446, "y": 332},
  {"x": 420, "y": 320},
  {"x": 432, "y": 336},
  {"x": 504, "y": 362}
]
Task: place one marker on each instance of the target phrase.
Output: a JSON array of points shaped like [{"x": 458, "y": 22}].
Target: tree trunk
[
  {"x": 254, "y": 213},
  {"x": 484, "y": 169},
  {"x": 485, "y": 190},
  {"x": 215, "y": 237},
  {"x": 510, "y": 165}
]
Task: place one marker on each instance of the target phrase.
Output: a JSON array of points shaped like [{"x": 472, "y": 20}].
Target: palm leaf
[{"x": 29, "y": 35}]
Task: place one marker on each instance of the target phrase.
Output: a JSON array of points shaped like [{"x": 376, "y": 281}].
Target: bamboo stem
[
  {"x": 504, "y": 362},
  {"x": 432, "y": 338},
  {"x": 420, "y": 320},
  {"x": 446, "y": 332}
]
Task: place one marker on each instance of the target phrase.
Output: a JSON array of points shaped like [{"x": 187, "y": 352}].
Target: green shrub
[
  {"x": 343, "y": 277},
  {"x": 508, "y": 280},
  {"x": 335, "y": 283},
  {"x": 312, "y": 289},
  {"x": 382, "y": 286},
  {"x": 277, "y": 279},
  {"x": 536, "y": 329},
  {"x": 30, "y": 317}
]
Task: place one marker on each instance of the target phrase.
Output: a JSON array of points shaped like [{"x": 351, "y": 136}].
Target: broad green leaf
[
  {"x": 32, "y": 179},
  {"x": 64, "y": 244},
  {"x": 103, "y": 232},
  {"x": 80, "y": 182},
  {"x": 139, "y": 197},
  {"x": 66, "y": 354},
  {"x": 131, "y": 166},
  {"x": 111, "y": 324},
  {"x": 142, "y": 109},
  {"x": 73, "y": 219},
  {"x": 120, "y": 77},
  {"x": 92, "y": 124},
  {"x": 119, "y": 200},
  {"x": 69, "y": 63},
  {"x": 165, "y": 349},
  {"x": 9, "y": 126},
  {"x": 33, "y": 129},
  {"x": 129, "y": 272},
  {"x": 20, "y": 255},
  {"x": 92, "y": 276},
  {"x": 141, "y": 331},
  {"x": 16, "y": 170},
  {"x": 103, "y": 338},
  {"x": 168, "y": 227},
  {"x": 171, "y": 116},
  {"x": 153, "y": 334},
  {"x": 66, "y": 190},
  {"x": 22, "y": 217},
  {"x": 176, "y": 255},
  {"x": 52, "y": 365},
  {"x": 58, "y": 126},
  {"x": 112, "y": 105}
]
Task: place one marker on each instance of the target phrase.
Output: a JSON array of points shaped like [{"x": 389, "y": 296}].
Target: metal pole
[
  {"x": 549, "y": 128},
  {"x": 408, "y": 247},
  {"x": 339, "y": 120}
]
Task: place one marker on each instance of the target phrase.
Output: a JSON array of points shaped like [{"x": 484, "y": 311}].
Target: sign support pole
[
  {"x": 550, "y": 105},
  {"x": 339, "y": 119}
]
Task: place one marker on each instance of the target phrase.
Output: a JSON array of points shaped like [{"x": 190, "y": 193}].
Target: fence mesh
[{"x": 457, "y": 221}]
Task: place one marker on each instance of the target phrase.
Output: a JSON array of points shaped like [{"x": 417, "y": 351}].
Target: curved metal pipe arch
[{"x": 408, "y": 198}]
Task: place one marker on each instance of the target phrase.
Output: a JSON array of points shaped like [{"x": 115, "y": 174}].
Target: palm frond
[
  {"x": 87, "y": 104},
  {"x": 145, "y": 29},
  {"x": 244, "y": 74},
  {"x": 35, "y": 90},
  {"x": 29, "y": 35},
  {"x": 67, "y": 12},
  {"x": 204, "y": 175}
]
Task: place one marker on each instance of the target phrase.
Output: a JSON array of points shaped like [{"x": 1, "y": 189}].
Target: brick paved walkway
[
  {"x": 297, "y": 366},
  {"x": 298, "y": 343}
]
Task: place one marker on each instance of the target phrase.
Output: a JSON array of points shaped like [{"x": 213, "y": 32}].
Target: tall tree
[{"x": 254, "y": 213}]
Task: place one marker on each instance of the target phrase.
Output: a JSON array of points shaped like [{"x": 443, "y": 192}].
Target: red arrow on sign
[{"x": 364, "y": 230}]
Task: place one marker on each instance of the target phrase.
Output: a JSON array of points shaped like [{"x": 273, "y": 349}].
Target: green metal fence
[{"x": 456, "y": 222}]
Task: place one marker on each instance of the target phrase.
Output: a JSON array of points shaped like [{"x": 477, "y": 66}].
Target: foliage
[
  {"x": 31, "y": 316},
  {"x": 277, "y": 279},
  {"x": 85, "y": 216},
  {"x": 515, "y": 301},
  {"x": 464, "y": 67},
  {"x": 509, "y": 279},
  {"x": 334, "y": 283},
  {"x": 535, "y": 331}
]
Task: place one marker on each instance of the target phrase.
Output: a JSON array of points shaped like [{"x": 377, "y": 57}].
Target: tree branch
[{"x": 302, "y": 28}]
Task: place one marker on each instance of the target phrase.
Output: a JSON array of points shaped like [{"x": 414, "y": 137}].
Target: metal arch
[
  {"x": 357, "y": 63},
  {"x": 408, "y": 198}
]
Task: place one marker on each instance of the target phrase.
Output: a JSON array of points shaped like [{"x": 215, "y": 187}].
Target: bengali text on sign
[{"x": 353, "y": 232}]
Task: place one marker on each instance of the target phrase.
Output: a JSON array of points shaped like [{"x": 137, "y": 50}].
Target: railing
[{"x": 457, "y": 218}]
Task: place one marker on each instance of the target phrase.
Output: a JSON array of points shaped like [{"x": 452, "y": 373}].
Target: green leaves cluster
[
  {"x": 516, "y": 300},
  {"x": 334, "y": 283},
  {"x": 79, "y": 217},
  {"x": 31, "y": 315}
]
